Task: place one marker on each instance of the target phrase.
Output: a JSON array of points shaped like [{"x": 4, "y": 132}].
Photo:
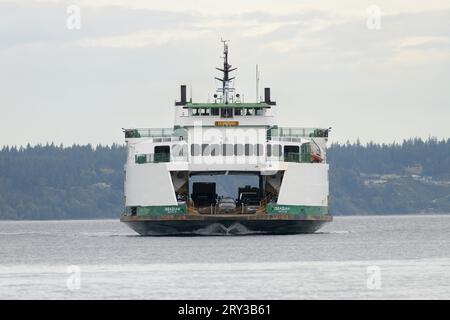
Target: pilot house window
[{"x": 226, "y": 112}]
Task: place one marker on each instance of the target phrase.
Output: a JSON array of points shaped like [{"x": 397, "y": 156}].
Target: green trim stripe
[
  {"x": 161, "y": 210},
  {"x": 271, "y": 208},
  {"x": 296, "y": 210}
]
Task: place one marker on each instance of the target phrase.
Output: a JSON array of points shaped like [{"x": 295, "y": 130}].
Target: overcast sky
[{"x": 123, "y": 67}]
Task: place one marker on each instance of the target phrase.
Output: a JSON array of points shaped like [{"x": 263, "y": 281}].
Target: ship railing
[
  {"x": 262, "y": 205},
  {"x": 167, "y": 133},
  {"x": 279, "y": 134},
  {"x": 168, "y": 139},
  {"x": 286, "y": 139}
]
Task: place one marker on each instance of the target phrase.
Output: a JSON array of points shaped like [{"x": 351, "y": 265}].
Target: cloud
[
  {"x": 421, "y": 50},
  {"x": 314, "y": 34},
  {"x": 45, "y": 23},
  {"x": 143, "y": 39},
  {"x": 425, "y": 43},
  {"x": 324, "y": 65}
]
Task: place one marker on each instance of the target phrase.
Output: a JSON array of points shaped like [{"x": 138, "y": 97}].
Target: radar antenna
[{"x": 226, "y": 80}]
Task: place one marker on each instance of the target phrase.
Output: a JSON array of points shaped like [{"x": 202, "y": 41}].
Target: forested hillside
[
  {"x": 52, "y": 182},
  {"x": 56, "y": 182},
  {"x": 411, "y": 177}
]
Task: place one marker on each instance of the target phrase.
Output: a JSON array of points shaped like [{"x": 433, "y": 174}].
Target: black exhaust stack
[
  {"x": 183, "y": 100},
  {"x": 267, "y": 97}
]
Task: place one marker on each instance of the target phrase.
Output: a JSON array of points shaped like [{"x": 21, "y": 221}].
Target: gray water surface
[{"x": 381, "y": 257}]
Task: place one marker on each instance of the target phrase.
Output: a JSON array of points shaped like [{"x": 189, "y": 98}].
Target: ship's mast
[{"x": 226, "y": 80}]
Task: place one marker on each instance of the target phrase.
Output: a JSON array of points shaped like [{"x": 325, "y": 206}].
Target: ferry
[{"x": 226, "y": 167}]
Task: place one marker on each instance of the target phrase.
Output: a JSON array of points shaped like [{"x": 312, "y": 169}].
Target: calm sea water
[{"x": 384, "y": 257}]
